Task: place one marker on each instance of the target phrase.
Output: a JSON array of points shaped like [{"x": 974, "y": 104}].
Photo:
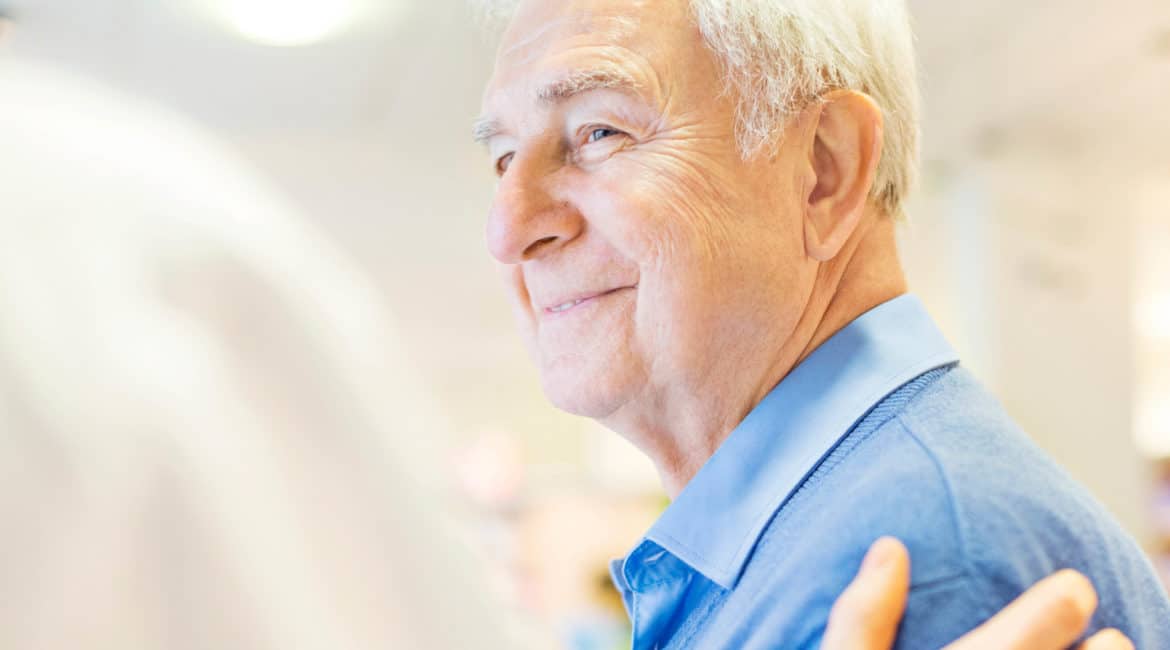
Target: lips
[{"x": 565, "y": 305}]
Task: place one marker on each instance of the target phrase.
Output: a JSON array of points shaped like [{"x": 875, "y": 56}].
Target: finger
[
  {"x": 1107, "y": 640},
  {"x": 1050, "y": 616},
  {"x": 867, "y": 614}
]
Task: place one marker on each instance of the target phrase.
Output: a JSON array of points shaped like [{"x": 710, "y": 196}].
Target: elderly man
[{"x": 696, "y": 219}]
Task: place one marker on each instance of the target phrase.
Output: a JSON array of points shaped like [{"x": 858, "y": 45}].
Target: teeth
[{"x": 567, "y": 306}]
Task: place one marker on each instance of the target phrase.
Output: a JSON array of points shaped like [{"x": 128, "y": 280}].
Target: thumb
[{"x": 867, "y": 614}]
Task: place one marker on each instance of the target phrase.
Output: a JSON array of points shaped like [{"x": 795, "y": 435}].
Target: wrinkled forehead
[
  {"x": 539, "y": 27},
  {"x": 545, "y": 31}
]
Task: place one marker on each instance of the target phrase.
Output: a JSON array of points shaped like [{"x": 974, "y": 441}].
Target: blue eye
[{"x": 602, "y": 133}]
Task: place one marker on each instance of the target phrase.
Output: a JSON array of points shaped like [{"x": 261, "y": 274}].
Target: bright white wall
[{"x": 1026, "y": 260}]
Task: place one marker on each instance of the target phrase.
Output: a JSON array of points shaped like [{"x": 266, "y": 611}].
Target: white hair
[{"x": 779, "y": 55}]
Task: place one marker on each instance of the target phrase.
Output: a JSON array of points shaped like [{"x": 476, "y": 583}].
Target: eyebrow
[
  {"x": 484, "y": 129},
  {"x": 561, "y": 90}
]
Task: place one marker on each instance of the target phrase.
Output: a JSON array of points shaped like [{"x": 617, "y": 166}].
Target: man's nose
[{"x": 527, "y": 219}]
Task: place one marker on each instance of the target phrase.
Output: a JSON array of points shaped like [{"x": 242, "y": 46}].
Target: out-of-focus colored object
[
  {"x": 1153, "y": 421},
  {"x": 1160, "y": 508},
  {"x": 1151, "y": 315},
  {"x": 567, "y": 537},
  {"x": 490, "y": 469},
  {"x": 208, "y": 435}
]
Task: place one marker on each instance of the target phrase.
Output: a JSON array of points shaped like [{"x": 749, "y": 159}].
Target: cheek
[
  {"x": 657, "y": 217},
  {"x": 677, "y": 225},
  {"x": 712, "y": 254},
  {"x": 518, "y": 299}
]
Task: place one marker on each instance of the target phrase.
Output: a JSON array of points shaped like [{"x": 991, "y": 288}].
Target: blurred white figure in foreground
[
  {"x": 207, "y": 435},
  {"x": 207, "y": 439}
]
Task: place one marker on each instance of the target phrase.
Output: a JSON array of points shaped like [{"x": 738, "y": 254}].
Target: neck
[{"x": 865, "y": 274}]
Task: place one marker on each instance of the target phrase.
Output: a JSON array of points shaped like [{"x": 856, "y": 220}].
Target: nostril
[{"x": 531, "y": 251}]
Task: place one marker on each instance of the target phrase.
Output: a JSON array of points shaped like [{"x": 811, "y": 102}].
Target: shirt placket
[{"x": 656, "y": 583}]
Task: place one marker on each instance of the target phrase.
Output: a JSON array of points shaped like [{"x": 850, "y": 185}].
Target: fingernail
[{"x": 880, "y": 555}]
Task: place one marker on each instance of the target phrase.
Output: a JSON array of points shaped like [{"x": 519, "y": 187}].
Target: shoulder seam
[{"x": 983, "y": 596}]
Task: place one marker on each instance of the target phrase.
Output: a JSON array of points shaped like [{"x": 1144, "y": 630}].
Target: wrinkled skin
[
  {"x": 703, "y": 292},
  {"x": 705, "y": 277}
]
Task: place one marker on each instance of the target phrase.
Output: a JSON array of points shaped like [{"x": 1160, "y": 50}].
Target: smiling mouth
[
  {"x": 572, "y": 304},
  {"x": 567, "y": 306}
]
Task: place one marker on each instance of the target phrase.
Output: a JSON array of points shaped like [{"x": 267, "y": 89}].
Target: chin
[{"x": 578, "y": 395}]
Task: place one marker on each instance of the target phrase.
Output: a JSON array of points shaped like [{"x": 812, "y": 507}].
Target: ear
[{"x": 843, "y": 140}]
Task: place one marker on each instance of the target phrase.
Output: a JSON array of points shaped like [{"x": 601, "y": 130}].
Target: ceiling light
[{"x": 288, "y": 23}]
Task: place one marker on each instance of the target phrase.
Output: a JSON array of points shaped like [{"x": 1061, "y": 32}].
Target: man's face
[{"x": 645, "y": 258}]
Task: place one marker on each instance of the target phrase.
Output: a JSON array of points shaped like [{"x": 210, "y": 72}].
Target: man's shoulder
[
  {"x": 984, "y": 512},
  {"x": 953, "y": 452},
  {"x": 1019, "y": 516},
  {"x": 927, "y": 462},
  {"x": 1004, "y": 494}
]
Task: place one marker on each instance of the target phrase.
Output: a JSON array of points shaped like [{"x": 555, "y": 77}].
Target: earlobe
[
  {"x": 843, "y": 153},
  {"x": 822, "y": 248}
]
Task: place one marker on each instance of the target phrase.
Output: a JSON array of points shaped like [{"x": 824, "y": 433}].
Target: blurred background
[{"x": 1039, "y": 236}]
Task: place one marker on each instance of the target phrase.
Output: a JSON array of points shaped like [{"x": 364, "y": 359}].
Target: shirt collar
[{"x": 716, "y": 521}]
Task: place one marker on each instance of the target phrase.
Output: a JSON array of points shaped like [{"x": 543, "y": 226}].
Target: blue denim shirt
[{"x": 878, "y": 432}]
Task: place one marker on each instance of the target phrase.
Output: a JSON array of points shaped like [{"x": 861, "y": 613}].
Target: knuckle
[
  {"x": 1114, "y": 640},
  {"x": 1076, "y": 599},
  {"x": 845, "y": 611}
]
